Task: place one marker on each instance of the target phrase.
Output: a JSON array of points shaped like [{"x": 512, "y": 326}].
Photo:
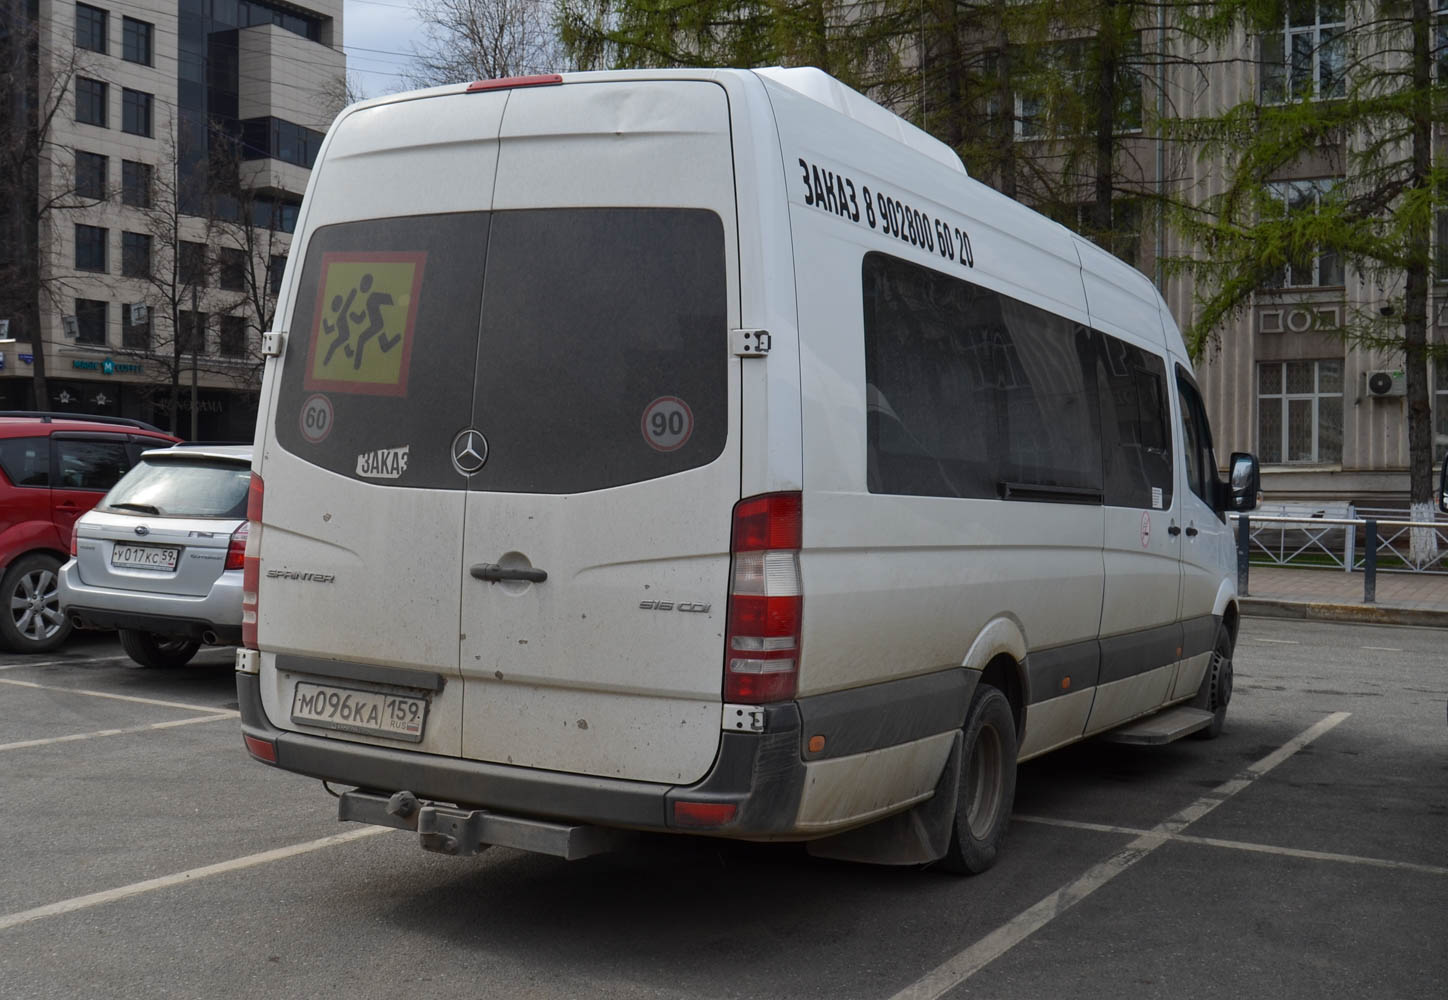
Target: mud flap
[{"x": 917, "y": 836}]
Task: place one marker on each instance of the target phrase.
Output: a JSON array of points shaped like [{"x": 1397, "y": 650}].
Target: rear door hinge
[
  {"x": 743, "y": 719},
  {"x": 273, "y": 342},
  {"x": 750, "y": 343}
]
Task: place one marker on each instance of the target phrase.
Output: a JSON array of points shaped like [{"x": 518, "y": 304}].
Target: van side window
[
  {"x": 971, "y": 393},
  {"x": 1135, "y": 426},
  {"x": 1197, "y": 442}
]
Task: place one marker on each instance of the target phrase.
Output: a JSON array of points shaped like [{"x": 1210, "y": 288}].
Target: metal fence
[{"x": 1366, "y": 544}]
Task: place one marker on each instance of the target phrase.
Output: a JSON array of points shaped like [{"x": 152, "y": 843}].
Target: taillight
[
  {"x": 251, "y": 561},
  {"x": 761, "y": 653},
  {"x": 75, "y": 538},
  {"x": 236, "y": 548}
]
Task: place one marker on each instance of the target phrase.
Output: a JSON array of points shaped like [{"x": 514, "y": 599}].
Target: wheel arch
[{"x": 999, "y": 652}]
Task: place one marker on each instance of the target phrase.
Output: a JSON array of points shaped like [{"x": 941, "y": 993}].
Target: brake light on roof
[
  {"x": 761, "y": 652},
  {"x": 251, "y": 561},
  {"x": 512, "y": 82}
]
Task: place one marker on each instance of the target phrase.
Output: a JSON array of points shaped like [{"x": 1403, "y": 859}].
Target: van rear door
[{"x": 602, "y": 453}]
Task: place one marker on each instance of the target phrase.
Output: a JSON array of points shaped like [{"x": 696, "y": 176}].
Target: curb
[{"x": 1368, "y": 614}]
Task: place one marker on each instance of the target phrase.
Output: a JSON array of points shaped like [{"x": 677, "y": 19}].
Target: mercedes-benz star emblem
[
  {"x": 469, "y": 451},
  {"x": 141, "y": 529}
]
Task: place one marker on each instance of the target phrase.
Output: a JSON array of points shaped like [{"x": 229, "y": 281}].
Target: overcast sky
[{"x": 378, "y": 37}]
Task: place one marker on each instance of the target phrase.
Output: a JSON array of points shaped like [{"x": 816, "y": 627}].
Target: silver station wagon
[{"x": 160, "y": 558}]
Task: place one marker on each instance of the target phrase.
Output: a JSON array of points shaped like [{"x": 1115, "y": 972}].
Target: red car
[{"x": 53, "y": 468}]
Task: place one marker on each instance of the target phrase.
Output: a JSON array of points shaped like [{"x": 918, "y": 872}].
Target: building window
[
  {"x": 277, "y": 139},
  {"x": 232, "y": 269},
  {"x": 135, "y": 336},
  {"x": 136, "y": 184},
  {"x": 90, "y": 28},
  {"x": 192, "y": 264},
  {"x": 136, "y": 41},
  {"x": 1322, "y": 269},
  {"x": 278, "y": 215},
  {"x": 1440, "y": 411},
  {"x": 135, "y": 112},
  {"x": 276, "y": 267},
  {"x": 135, "y": 255},
  {"x": 90, "y": 102},
  {"x": 1307, "y": 57},
  {"x": 90, "y": 248},
  {"x": 1299, "y": 411},
  {"x": 233, "y": 337},
  {"x": 90, "y": 321},
  {"x": 90, "y": 175},
  {"x": 1037, "y": 118},
  {"x": 192, "y": 336},
  {"x": 1441, "y": 257}
]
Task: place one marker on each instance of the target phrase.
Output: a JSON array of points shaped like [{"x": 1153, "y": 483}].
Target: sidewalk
[{"x": 1335, "y": 595}]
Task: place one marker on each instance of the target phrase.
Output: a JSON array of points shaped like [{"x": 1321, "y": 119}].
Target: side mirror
[
  {"x": 1443, "y": 488},
  {"x": 1246, "y": 482}
]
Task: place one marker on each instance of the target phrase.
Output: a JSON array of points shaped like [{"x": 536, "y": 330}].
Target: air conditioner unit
[{"x": 1385, "y": 383}]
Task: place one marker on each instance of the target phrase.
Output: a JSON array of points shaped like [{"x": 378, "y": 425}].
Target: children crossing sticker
[{"x": 365, "y": 323}]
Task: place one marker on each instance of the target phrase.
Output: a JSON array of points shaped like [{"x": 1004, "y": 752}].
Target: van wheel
[
  {"x": 33, "y": 622},
  {"x": 1216, "y": 689},
  {"x": 987, "y": 784},
  {"x": 152, "y": 650}
]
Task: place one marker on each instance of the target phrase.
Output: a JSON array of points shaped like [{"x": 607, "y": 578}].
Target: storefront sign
[
  {"x": 28, "y": 359},
  {"x": 107, "y": 367}
]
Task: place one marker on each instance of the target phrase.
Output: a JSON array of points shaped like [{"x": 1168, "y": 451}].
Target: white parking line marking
[
  {"x": 1280, "y": 642},
  {"x": 194, "y": 874},
  {"x": 1242, "y": 845},
  {"x": 971, "y": 960},
  {"x": 1384, "y": 649},
  {"x": 60, "y": 663},
  {"x": 77, "y": 737},
  {"x": 122, "y": 697}
]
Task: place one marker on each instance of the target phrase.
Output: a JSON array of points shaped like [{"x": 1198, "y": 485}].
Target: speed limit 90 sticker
[{"x": 668, "y": 423}]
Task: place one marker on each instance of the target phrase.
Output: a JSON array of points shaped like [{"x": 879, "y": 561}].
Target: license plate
[
  {"x": 375, "y": 713},
  {"x": 159, "y": 557}
]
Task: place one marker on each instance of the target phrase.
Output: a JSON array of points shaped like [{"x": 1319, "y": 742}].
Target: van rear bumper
[{"x": 761, "y": 774}]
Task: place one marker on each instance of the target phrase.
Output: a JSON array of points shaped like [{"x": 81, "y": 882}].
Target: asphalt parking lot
[{"x": 1302, "y": 854}]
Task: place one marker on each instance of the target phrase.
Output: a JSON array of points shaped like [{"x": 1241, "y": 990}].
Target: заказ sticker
[{"x": 384, "y": 463}]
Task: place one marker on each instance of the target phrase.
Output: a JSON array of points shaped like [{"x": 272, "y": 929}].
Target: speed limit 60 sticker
[
  {"x": 316, "y": 418},
  {"x": 668, "y": 422}
]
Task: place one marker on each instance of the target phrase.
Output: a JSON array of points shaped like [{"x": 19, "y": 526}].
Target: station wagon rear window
[
  {"x": 586, "y": 347},
  {"x": 170, "y": 488}
]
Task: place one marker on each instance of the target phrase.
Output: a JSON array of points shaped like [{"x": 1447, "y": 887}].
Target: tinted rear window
[
  {"x": 182, "y": 489},
  {"x": 588, "y": 346},
  {"x": 26, "y": 461}
]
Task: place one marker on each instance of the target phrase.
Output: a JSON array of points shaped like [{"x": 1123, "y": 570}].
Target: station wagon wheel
[
  {"x": 163, "y": 651},
  {"x": 33, "y": 622},
  {"x": 987, "y": 784},
  {"x": 1216, "y": 689}
]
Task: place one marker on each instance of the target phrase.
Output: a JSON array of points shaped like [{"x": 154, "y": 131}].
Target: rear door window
[
  {"x": 604, "y": 348},
  {"x": 89, "y": 464},
  {"x": 589, "y": 347},
  {"x": 383, "y": 343}
]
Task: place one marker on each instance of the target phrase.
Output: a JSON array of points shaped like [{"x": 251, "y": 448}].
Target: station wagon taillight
[
  {"x": 75, "y": 539},
  {"x": 236, "y": 548},
  {"x": 251, "y": 561},
  {"x": 761, "y": 653}
]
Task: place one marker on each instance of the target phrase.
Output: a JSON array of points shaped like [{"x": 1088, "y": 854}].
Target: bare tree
[
  {"x": 339, "y": 92},
  {"x": 484, "y": 39}
]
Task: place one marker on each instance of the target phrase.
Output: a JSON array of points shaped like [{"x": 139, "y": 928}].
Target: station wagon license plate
[
  {"x": 374, "y": 713},
  {"x": 159, "y": 557}
]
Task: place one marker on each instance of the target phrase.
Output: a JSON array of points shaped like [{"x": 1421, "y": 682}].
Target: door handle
[
  {"x": 492, "y": 572},
  {"x": 1192, "y": 531},
  {"x": 1173, "y": 530}
]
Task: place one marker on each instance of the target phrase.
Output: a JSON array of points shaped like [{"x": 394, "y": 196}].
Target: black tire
[
  {"x": 163, "y": 651},
  {"x": 32, "y": 622},
  {"x": 1216, "y": 690},
  {"x": 987, "y": 784}
]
